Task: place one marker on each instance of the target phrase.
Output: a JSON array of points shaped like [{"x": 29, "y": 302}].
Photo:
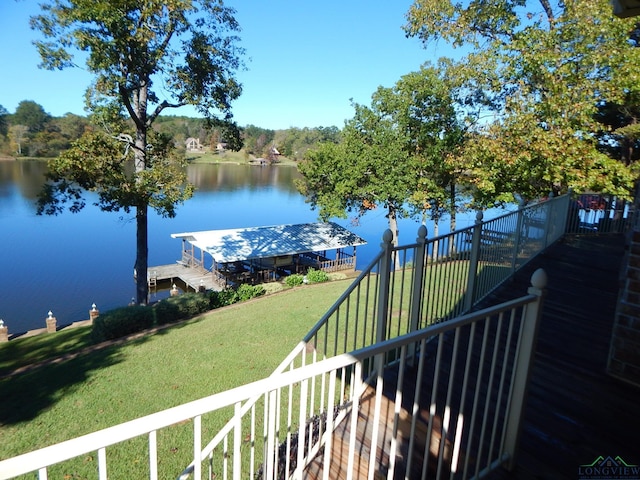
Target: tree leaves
[
  {"x": 98, "y": 163},
  {"x": 540, "y": 70},
  {"x": 398, "y": 153}
]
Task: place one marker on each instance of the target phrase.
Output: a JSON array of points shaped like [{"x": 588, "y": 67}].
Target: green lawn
[
  {"x": 230, "y": 157},
  {"x": 103, "y": 387}
]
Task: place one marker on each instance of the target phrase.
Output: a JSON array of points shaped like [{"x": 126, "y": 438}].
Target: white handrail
[{"x": 101, "y": 439}]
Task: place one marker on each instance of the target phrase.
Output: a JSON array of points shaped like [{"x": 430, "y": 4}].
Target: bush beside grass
[
  {"x": 121, "y": 322},
  {"x": 317, "y": 276},
  {"x": 247, "y": 292},
  {"x": 181, "y": 307},
  {"x": 128, "y": 320},
  {"x": 294, "y": 280}
]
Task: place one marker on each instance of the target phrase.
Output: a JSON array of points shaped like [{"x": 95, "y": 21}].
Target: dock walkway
[{"x": 192, "y": 277}]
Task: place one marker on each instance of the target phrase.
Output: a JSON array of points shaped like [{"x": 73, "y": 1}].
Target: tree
[
  {"x": 539, "y": 70},
  {"x": 422, "y": 105},
  {"x": 146, "y": 57},
  {"x": 17, "y": 134},
  {"x": 4, "y": 125},
  {"x": 397, "y": 153},
  {"x": 369, "y": 168},
  {"x": 32, "y": 115},
  {"x": 71, "y": 126}
]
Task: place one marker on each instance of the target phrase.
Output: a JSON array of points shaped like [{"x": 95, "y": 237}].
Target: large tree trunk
[
  {"x": 142, "y": 255},
  {"x": 140, "y": 159}
]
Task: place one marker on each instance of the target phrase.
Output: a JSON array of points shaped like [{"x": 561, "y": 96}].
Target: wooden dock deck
[{"x": 191, "y": 277}]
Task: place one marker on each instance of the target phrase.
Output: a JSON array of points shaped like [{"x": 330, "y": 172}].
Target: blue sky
[{"x": 305, "y": 60}]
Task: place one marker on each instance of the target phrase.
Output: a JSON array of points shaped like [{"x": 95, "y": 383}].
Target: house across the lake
[
  {"x": 193, "y": 145},
  {"x": 264, "y": 254}
]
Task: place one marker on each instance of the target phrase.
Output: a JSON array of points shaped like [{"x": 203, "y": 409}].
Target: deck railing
[
  {"x": 189, "y": 259},
  {"x": 477, "y": 366}
]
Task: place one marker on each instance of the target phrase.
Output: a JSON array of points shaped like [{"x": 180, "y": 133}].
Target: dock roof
[{"x": 273, "y": 241}]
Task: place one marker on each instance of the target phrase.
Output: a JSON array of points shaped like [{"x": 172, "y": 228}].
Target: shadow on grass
[{"x": 24, "y": 395}]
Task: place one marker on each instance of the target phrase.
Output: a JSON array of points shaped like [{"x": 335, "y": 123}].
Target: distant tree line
[
  {"x": 31, "y": 132},
  {"x": 293, "y": 142}
]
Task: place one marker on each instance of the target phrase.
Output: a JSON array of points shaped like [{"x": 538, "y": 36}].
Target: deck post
[
  {"x": 518, "y": 236},
  {"x": 547, "y": 223},
  {"x": 94, "y": 312},
  {"x": 522, "y": 367},
  {"x": 474, "y": 260},
  {"x": 416, "y": 289},
  {"x": 384, "y": 273}
]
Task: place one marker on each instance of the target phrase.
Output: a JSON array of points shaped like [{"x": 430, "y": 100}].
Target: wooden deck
[
  {"x": 575, "y": 413},
  {"x": 192, "y": 277}
]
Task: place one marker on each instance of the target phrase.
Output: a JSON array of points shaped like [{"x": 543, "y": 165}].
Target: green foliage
[
  {"x": 317, "y": 276},
  {"x": 181, "y": 307},
  {"x": 121, "y": 322},
  {"x": 257, "y": 141},
  {"x": 31, "y": 115},
  {"x": 294, "y": 280},
  {"x": 4, "y": 125},
  {"x": 293, "y": 143},
  {"x": 230, "y": 296},
  {"x": 247, "y": 292},
  {"x": 222, "y": 298},
  {"x": 539, "y": 76},
  {"x": 399, "y": 151}
]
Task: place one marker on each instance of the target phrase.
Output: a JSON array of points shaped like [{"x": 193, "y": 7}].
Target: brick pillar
[
  {"x": 624, "y": 353},
  {"x": 51, "y": 323},
  {"x": 4, "y": 332},
  {"x": 94, "y": 312}
]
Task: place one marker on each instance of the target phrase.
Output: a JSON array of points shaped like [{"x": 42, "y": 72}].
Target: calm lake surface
[{"x": 66, "y": 263}]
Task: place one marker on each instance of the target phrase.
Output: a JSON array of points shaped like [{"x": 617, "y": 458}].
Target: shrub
[
  {"x": 247, "y": 292},
  {"x": 121, "y": 322},
  {"x": 317, "y": 276},
  {"x": 184, "y": 306},
  {"x": 294, "y": 280},
  {"x": 222, "y": 298}
]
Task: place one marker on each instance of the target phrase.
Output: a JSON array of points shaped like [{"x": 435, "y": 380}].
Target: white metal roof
[{"x": 262, "y": 242}]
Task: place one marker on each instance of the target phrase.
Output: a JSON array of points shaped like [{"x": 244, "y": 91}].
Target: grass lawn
[
  {"x": 240, "y": 158},
  {"x": 103, "y": 387}
]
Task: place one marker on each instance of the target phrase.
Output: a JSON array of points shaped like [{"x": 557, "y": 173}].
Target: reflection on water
[{"x": 67, "y": 262}]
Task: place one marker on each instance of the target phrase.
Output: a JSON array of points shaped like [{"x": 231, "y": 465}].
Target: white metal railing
[{"x": 461, "y": 414}]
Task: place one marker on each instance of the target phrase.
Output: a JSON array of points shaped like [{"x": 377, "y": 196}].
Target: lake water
[{"x": 68, "y": 262}]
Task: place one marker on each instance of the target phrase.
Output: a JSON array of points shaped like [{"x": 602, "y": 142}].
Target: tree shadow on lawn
[{"x": 23, "y": 397}]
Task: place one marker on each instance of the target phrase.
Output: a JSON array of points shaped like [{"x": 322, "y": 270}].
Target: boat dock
[{"x": 192, "y": 277}]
